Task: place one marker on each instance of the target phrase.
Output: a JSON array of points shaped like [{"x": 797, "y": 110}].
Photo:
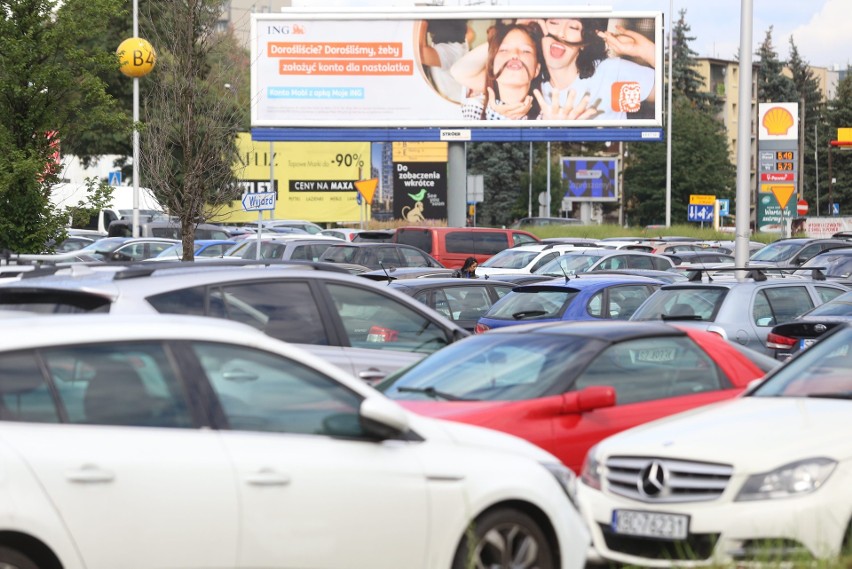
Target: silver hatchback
[{"x": 741, "y": 311}]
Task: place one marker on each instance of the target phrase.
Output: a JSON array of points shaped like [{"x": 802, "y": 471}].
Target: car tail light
[
  {"x": 779, "y": 342},
  {"x": 480, "y": 328},
  {"x": 379, "y": 334}
]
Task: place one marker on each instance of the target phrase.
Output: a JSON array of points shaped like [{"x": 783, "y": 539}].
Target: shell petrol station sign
[{"x": 778, "y": 165}]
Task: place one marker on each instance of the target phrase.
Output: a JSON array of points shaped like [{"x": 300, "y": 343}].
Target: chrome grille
[{"x": 665, "y": 480}]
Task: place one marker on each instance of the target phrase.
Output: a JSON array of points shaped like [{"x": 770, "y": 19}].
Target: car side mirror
[{"x": 589, "y": 399}]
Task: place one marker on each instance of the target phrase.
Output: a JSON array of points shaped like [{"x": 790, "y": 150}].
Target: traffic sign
[
  {"x": 783, "y": 193},
  {"x": 114, "y": 178},
  {"x": 259, "y": 201},
  {"x": 835, "y": 208},
  {"x": 802, "y": 207},
  {"x": 700, "y": 212},
  {"x": 724, "y": 207},
  {"x": 701, "y": 199},
  {"x": 366, "y": 188}
]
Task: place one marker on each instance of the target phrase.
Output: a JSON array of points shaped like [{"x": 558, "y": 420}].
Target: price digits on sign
[
  {"x": 348, "y": 160},
  {"x": 784, "y": 166},
  {"x": 784, "y": 155}
]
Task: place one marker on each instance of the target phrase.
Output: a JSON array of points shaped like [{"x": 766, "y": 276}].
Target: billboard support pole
[
  {"x": 529, "y": 206},
  {"x": 743, "y": 210},
  {"x": 456, "y": 184}
]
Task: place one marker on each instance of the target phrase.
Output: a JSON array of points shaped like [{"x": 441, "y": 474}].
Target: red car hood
[{"x": 472, "y": 412}]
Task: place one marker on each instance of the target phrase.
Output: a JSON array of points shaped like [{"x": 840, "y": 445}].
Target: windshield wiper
[
  {"x": 433, "y": 393},
  {"x": 847, "y": 395},
  {"x": 681, "y": 317},
  {"x": 528, "y": 314}
]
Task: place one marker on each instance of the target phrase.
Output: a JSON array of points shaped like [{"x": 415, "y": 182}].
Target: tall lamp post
[{"x": 137, "y": 58}]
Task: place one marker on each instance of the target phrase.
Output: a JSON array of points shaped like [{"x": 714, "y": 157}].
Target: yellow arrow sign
[
  {"x": 367, "y": 188},
  {"x": 783, "y": 193}
]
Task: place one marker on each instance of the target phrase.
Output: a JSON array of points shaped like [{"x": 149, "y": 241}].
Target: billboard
[
  {"x": 590, "y": 179},
  {"x": 535, "y": 68},
  {"x": 778, "y": 164},
  {"x": 313, "y": 181},
  {"x": 419, "y": 181}
]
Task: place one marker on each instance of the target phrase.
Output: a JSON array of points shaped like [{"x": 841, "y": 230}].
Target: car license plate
[
  {"x": 658, "y": 355},
  {"x": 806, "y": 343},
  {"x": 650, "y": 524}
]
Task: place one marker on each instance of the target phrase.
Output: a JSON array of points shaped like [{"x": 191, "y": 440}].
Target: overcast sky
[{"x": 820, "y": 28}]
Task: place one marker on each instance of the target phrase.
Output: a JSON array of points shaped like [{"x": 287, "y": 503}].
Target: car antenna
[
  {"x": 387, "y": 274},
  {"x": 567, "y": 278}
]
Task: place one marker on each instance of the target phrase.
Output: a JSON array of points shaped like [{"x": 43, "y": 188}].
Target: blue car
[{"x": 581, "y": 297}]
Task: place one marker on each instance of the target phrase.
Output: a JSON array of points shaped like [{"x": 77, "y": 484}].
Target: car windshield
[
  {"x": 693, "y": 303},
  {"x": 494, "y": 367},
  {"x": 510, "y": 259},
  {"x": 822, "y": 370},
  {"x": 532, "y": 303},
  {"x": 839, "y": 306},
  {"x": 779, "y": 251},
  {"x": 568, "y": 265},
  {"x": 835, "y": 265}
]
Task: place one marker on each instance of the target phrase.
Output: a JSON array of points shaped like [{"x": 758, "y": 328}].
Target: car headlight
[
  {"x": 565, "y": 477},
  {"x": 592, "y": 470},
  {"x": 794, "y": 479}
]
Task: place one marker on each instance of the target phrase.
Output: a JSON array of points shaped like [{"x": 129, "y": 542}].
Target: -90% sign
[{"x": 348, "y": 160}]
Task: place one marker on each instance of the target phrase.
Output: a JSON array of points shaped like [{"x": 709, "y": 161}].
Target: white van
[{"x": 121, "y": 206}]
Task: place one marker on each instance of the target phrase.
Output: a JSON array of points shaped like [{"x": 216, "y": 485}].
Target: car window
[
  {"x": 489, "y": 243},
  {"x": 639, "y": 262},
  {"x": 533, "y": 304},
  {"x": 24, "y": 394},
  {"x": 441, "y": 303},
  {"x": 387, "y": 256},
  {"x": 827, "y": 293},
  {"x": 623, "y": 300},
  {"x": 127, "y": 384},
  {"x": 777, "y": 305},
  {"x": 413, "y": 258},
  {"x": 660, "y": 264},
  {"x": 473, "y": 302},
  {"x": 653, "y": 368},
  {"x": 373, "y": 320},
  {"x": 692, "y": 303},
  {"x": 259, "y": 391},
  {"x": 522, "y": 239},
  {"x": 809, "y": 252},
  {"x": 546, "y": 258}
]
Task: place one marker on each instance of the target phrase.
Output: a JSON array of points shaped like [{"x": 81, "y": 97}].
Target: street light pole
[{"x": 135, "y": 130}]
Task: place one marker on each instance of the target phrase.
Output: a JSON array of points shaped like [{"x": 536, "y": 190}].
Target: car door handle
[
  {"x": 372, "y": 374},
  {"x": 89, "y": 474},
  {"x": 268, "y": 477}
]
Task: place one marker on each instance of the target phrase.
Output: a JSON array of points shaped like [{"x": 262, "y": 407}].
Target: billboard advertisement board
[
  {"x": 459, "y": 68},
  {"x": 590, "y": 178},
  {"x": 314, "y": 181}
]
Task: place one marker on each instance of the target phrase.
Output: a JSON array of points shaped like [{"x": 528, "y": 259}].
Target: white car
[
  {"x": 152, "y": 442},
  {"x": 522, "y": 259},
  {"x": 764, "y": 477}
]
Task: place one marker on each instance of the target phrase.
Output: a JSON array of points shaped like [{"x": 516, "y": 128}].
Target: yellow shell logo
[{"x": 777, "y": 121}]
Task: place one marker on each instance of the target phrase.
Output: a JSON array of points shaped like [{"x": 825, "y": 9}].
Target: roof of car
[
  {"x": 590, "y": 280},
  {"x": 609, "y": 330}
]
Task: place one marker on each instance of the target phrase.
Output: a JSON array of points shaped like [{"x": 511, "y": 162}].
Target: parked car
[
  {"x": 452, "y": 245},
  {"x": 761, "y": 479},
  {"x": 363, "y": 327},
  {"x": 786, "y": 340},
  {"x": 125, "y": 249},
  {"x": 836, "y": 265},
  {"x": 741, "y": 311},
  {"x": 463, "y": 301},
  {"x": 790, "y": 253},
  {"x": 566, "y": 385},
  {"x": 522, "y": 259},
  {"x": 588, "y": 260},
  {"x": 166, "y": 229},
  {"x": 374, "y": 236},
  {"x": 275, "y": 224},
  {"x": 586, "y": 297},
  {"x": 275, "y": 246},
  {"x": 203, "y": 248},
  {"x": 378, "y": 255},
  {"x": 344, "y": 233},
  {"x": 394, "y": 273},
  {"x": 168, "y": 442},
  {"x": 684, "y": 259},
  {"x": 545, "y": 222}
]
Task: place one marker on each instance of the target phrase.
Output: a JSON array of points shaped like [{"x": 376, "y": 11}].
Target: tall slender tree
[
  {"x": 504, "y": 167},
  {"x": 191, "y": 117},
  {"x": 772, "y": 85},
  {"x": 686, "y": 80},
  {"x": 811, "y": 110},
  {"x": 49, "y": 86}
]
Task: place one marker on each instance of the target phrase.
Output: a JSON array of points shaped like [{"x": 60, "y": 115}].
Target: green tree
[
  {"x": 505, "y": 167},
  {"x": 772, "y": 85},
  {"x": 191, "y": 119},
  {"x": 838, "y": 115},
  {"x": 47, "y": 78},
  {"x": 686, "y": 80},
  {"x": 811, "y": 110},
  {"x": 700, "y": 165}
]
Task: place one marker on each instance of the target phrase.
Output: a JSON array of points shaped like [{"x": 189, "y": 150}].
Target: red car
[{"x": 566, "y": 385}]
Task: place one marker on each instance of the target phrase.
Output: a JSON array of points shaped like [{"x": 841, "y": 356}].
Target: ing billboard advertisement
[{"x": 460, "y": 68}]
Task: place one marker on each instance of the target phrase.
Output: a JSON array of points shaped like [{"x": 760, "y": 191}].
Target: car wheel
[
  {"x": 504, "y": 539},
  {"x": 11, "y": 559}
]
